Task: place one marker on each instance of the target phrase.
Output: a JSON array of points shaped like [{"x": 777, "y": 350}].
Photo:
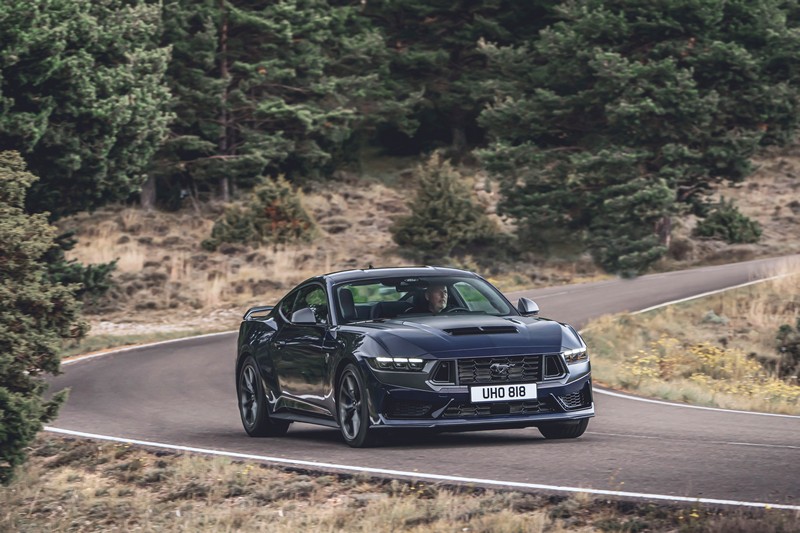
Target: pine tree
[
  {"x": 35, "y": 315},
  {"x": 434, "y": 52},
  {"x": 622, "y": 101},
  {"x": 443, "y": 216},
  {"x": 268, "y": 88},
  {"x": 273, "y": 214},
  {"x": 82, "y": 97}
]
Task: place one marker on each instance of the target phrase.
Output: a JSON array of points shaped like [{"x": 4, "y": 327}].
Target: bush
[
  {"x": 789, "y": 348},
  {"x": 272, "y": 215},
  {"x": 94, "y": 280},
  {"x": 727, "y": 223},
  {"x": 443, "y": 215},
  {"x": 37, "y": 313}
]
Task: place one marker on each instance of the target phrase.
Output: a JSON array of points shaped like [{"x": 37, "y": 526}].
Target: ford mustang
[{"x": 423, "y": 347}]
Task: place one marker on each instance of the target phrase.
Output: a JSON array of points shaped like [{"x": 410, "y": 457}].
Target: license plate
[{"x": 503, "y": 393}]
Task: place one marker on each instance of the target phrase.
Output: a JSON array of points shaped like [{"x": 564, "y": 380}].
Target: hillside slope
[{"x": 166, "y": 280}]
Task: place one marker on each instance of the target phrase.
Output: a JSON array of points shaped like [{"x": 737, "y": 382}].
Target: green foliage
[
  {"x": 726, "y": 222},
  {"x": 789, "y": 348},
  {"x": 269, "y": 88},
  {"x": 273, "y": 214},
  {"x": 82, "y": 97},
  {"x": 35, "y": 315},
  {"x": 443, "y": 215},
  {"x": 93, "y": 280},
  {"x": 672, "y": 96},
  {"x": 433, "y": 46}
]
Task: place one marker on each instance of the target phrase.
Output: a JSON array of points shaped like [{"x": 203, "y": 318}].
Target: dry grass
[
  {"x": 718, "y": 350},
  {"x": 163, "y": 272},
  {"x": 80, "y": 485}
]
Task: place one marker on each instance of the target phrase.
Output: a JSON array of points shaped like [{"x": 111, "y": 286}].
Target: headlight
[
  {"x": 397, "y": 363},
  {"x": 575, "y": 355}
]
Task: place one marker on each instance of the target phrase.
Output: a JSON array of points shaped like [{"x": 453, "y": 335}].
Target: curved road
[{"x": 181, "y": 393}]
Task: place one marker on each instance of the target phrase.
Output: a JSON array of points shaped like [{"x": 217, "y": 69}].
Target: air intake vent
[
  {"x": 486, "y": 330},
  {"x": 444, "y": 373}
]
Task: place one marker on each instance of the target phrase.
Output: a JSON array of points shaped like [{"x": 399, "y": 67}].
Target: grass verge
[
  {"x": 717, "y": 351},
  {"x": 84, "y": 485}
]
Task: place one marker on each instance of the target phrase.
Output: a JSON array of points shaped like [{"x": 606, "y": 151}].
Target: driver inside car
[{"x": 435, "y": 300}]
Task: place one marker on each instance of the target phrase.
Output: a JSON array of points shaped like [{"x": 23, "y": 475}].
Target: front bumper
[{"x": 450, "y": 407}]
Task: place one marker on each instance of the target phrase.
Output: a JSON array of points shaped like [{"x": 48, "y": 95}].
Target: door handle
[{"x": 280, "y": 344}]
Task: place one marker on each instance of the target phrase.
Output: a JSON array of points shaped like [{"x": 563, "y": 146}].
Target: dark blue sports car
[{"x": 440, "y": 348}]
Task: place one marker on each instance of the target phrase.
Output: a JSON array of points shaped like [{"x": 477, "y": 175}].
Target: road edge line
[
  {"x": 424, "y": 476},
  {"x": 705, "y": 294},
  {"x": 687, "y": 406},
  {"x": 112, "y": 351}
]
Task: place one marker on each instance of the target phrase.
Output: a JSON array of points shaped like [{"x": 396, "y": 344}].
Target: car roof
[{"x": 370, "y": 273}]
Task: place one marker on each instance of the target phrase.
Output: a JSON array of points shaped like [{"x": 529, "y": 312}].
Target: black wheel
[
  {"x": 457, "y": 310},
  {"x": 564, "y": 430},
  {"x": 351, "y": 402},
  {"x": 253, "y": 404}
]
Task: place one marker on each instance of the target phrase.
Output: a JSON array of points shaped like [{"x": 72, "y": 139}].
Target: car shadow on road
[{"x": 425, "y": 439}]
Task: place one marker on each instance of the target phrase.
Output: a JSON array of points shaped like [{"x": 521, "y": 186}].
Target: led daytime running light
[
  {"x": 399, "y": 363},
  {"x": 576, "y": 354}
]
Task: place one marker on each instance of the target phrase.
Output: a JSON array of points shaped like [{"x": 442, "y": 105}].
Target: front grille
[
  {"x": 408, "y": 409},
  {"x": 576, "y": 400},
  {"x": 471, "y": 410},
  {"x": 511, "y": 369}
]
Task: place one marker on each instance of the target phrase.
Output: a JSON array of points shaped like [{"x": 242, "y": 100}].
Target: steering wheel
[{"x": 458, "y": 310}]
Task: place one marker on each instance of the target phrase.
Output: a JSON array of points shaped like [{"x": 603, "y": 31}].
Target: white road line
[
  {"x": 623, "y": 435},
  {"x": 673, "y": 404},
  {"x": 727, "y": 443},
  {"x": 543, "y": 296},
  {"x": 762, "y": 445},
  {"x": 439, "y": 477},
  {"x": 141, "y": 346},
  {"x": 685, "y": 406},
  {"x": 430, "y": 477},
  {"x": 709, "y": 293}
]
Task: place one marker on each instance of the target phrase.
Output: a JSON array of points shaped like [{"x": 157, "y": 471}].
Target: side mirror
[
  {"x": 304, "y": 316},
  {"x": 527, "y": 307}
]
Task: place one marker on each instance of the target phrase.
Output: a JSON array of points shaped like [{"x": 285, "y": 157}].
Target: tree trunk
[
  {"x": 664, "y": 230},
  {"x": 147, "y": 198},
  {"x": 224, "y": 183},
  {"x": 459, "y": 145},
  {"x": 458, "y": 132}
]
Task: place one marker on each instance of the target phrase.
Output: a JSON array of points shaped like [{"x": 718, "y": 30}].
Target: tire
[
  {"x": 564, "y": 430},
  {"x": 352, "y": 408},
  {"x": 253, "y": 404}
]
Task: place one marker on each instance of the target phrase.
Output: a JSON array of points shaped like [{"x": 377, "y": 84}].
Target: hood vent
[{"x": 485, "y": 330}]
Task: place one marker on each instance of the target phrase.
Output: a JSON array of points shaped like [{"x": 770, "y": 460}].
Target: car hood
[{"x": 466, "y": 335}]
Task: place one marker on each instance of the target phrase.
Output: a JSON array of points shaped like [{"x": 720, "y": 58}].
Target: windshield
[{"x": 380, "y": 299}]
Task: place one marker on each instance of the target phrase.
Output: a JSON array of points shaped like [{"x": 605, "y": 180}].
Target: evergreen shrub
[
  {"x": 36, "y": 314},
  {"x": 789, "y": 347},
  {"x": 443, "y": 216},
  {"x": 273, "y": 214},
  {"x": 94, "y": 280},
  {"x": 726, "y": 222}
]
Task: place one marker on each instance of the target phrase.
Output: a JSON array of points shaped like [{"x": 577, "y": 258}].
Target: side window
[
  {"x": 473, "y": 298},
  {"x": 312, "y": 296},
  {"x": 317, "y": 301},
  {"x": 287, "y": 306}
]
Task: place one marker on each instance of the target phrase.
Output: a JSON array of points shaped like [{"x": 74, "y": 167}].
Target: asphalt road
[{"x": 183, "y": 393}]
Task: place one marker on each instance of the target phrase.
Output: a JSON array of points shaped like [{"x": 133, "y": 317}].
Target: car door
[{"x": 299, "y": 351}]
